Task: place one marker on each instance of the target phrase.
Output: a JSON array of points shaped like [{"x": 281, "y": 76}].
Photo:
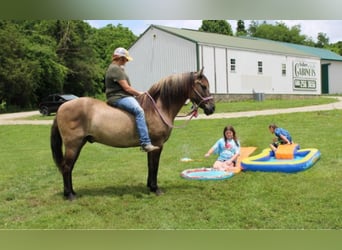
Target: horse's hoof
[
  {"x": 70, "y": 197},
  {"x": 159, "y": 192},
  {"x": 155, "y": 190}
]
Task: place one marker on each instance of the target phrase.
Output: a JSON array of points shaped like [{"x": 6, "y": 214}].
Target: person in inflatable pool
[
  {"x": 227, "y": 148},
  {"x": 282, "y": 136}
]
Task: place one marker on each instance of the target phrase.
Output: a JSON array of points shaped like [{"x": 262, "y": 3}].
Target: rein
[{"x": 193, "y": 113}]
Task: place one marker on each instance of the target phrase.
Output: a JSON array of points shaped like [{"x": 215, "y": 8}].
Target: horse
[{"x": 87, "y": 119}]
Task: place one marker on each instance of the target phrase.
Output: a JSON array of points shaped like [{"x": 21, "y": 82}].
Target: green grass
[
  {"x": 111, "y": 183},
  {"x": 251, "y": 105},
  {"x": 227, "y": 107},
  {"x": 272, "y": 104}
]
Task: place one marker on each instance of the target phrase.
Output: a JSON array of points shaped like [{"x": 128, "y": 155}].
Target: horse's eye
[{"x": 204, "y": 88}]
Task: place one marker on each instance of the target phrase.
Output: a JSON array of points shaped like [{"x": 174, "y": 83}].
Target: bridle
[
  {"x": 192, "y": 113},
  {"x": 203, "y": 99}
]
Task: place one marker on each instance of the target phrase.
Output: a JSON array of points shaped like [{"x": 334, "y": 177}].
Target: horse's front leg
[
  {"x": 69, "y": 193},
  {"x": 153, "y": 165}
]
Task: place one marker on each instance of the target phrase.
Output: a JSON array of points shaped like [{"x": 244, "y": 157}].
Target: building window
[
  {"x": 283, "y": 69},
  {"x": 260, "y": 67},
  {"x": 232, "y": 65}
]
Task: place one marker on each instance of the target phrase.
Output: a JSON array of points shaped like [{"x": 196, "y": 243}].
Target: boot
[{"x": 149, "y": 147}]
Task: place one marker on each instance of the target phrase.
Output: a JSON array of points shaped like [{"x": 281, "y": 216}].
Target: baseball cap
[{"x": 122, "y": 52}]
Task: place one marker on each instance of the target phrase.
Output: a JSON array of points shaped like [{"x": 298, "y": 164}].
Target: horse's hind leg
[
  {"x": 71, "y": 155},
  {"x": 153, "y": 165}
]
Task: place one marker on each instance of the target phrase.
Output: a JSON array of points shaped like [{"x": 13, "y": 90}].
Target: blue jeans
[{"x": 131, "y": 105}]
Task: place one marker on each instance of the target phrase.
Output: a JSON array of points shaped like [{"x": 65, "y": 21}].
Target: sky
[{"x": 310, "y": 28}]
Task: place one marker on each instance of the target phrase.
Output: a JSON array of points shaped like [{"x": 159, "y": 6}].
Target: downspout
[{"x": 197, "y": 56}]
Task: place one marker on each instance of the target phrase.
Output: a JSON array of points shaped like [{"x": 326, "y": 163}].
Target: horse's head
[{"x": 200, "y": 94}]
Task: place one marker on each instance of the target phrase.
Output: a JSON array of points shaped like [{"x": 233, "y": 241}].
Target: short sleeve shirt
[
  {"x": 226, "y": 149},
  {"x": 114, "y": 91},
  {"x": 284, "y": 132}
]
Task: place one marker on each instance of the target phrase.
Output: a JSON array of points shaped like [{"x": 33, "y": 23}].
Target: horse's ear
[{"x": 200, "y": 73}]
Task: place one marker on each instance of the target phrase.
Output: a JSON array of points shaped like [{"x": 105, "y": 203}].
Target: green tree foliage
[
  {"x": 26, "y": 63},
  {"x": 278, "y": 32},
  {"x": 40, "y": 57},
  {"x": 253, "y": 26},
  {"x": 74, "y": 50},
  {"x": 216, "y": 26},
  {"x": 52, "y": 73},
  {"x": 322, "y": 40},
  {"x": 337, "y": 47},
  {"x": 106, "y": 39},
  {"x": 240, "y": 28}
]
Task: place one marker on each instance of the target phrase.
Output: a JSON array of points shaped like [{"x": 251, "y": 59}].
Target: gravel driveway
[{"x": 19, "y": 118}]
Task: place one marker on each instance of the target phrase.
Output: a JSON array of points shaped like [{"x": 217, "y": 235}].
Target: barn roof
[
  {"x": 233, "y": 42},
  {"x": 322, "y": 53}
]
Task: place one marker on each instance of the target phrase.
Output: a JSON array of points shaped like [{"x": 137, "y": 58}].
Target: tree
[
  {"x": 40, "y": 57},
  {"x": 216, "y": 26},
  {"x": 106, "y": 39},
  {"x": 322, "y": 40},
  {"x": 278, "y": 32},
  {"x": 52, "y": 73},
  {"x": 84, "y": 73},
  {"x": 22, "y": 65},
  {"x": 240, "y": 29},
  {"x": 335, "y": 47},
  {"x": 253, "y": 26}
]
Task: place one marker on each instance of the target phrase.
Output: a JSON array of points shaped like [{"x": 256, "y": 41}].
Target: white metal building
[{"x": 233, "y": 65}]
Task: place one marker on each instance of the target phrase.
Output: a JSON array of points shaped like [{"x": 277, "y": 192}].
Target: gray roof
[{"x": 233, "y": 42}]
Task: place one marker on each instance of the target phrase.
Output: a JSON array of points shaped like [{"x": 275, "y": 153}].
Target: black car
[{"x": 51, "y": 103}]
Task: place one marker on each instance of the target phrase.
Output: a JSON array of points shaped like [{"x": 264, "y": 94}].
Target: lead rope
[{"x": 192, "y": 113}]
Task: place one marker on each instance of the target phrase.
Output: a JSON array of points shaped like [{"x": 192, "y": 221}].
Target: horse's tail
[{"x": 56, "y": 145}]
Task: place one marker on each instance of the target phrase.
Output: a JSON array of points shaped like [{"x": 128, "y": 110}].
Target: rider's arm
[{"x": 129, "y": 89}]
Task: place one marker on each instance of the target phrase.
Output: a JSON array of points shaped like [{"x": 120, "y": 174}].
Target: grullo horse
[{"x": 90, "y": 120}]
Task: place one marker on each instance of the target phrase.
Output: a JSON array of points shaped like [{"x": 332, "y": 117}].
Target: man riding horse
[{"x": 121, "y": 94}]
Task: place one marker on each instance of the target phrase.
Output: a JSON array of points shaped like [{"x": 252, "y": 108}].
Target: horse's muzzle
[{"x": 209, "y": 108}]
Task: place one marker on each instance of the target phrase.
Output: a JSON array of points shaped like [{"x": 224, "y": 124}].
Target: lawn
[
  {"x": 111, "y": 183},
  {"x": 249, "y": 105}
]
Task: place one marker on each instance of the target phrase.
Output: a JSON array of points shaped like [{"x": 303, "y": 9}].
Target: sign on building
[{"x": 304, "y": 75}]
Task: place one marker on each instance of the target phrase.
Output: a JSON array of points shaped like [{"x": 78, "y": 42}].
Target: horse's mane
[{"x": 169, "y": 90}]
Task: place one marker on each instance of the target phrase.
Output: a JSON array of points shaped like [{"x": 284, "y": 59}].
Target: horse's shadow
[{"x": 138, "y": 191}]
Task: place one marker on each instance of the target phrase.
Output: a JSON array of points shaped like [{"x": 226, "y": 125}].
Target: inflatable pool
[
  {"x": 205, "y": 174},
  {"x": 267, "y": 161}
]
